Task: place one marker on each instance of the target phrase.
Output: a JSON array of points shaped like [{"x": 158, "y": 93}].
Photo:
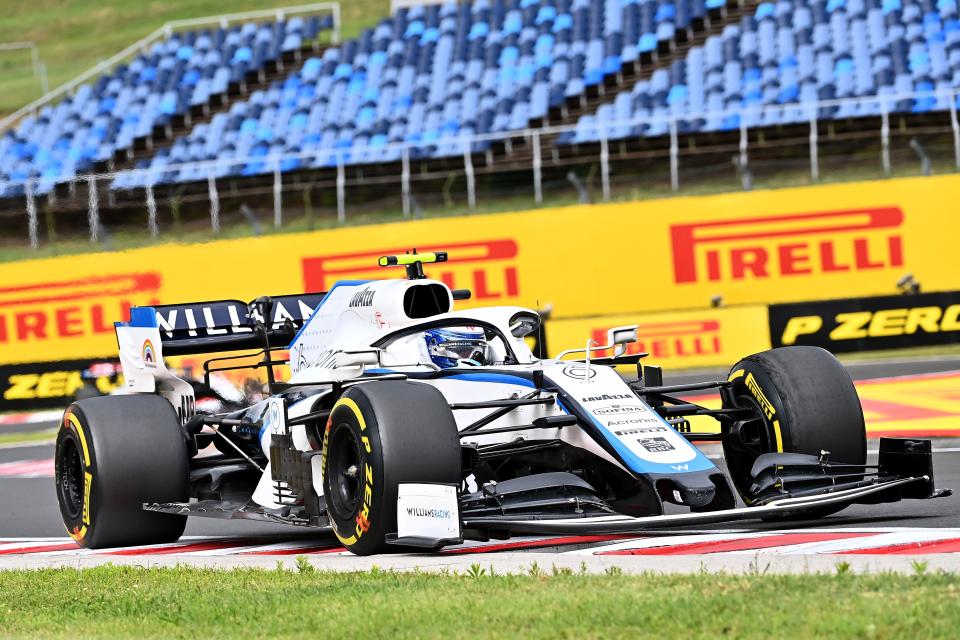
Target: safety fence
[
  {"x": 698, "y": 259},
  {"x": 579, "y": 163}
]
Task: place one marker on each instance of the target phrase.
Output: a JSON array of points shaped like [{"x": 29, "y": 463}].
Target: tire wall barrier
[{"x": 654, "y": 263}]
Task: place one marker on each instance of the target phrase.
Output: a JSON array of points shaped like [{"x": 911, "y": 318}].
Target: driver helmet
[{"x": 453, "y": 347}]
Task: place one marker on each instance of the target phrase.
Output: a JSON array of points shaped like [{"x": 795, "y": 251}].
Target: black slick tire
[
  {"x": 808, "y": 404},
  {"x": 114, "y": 453},
  {"x": 381, "y": 434}
]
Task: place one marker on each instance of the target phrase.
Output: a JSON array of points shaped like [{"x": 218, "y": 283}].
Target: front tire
[
  {"x": 381, "y": 434},
  {"x": 114, "y": 453},
  {"x": 806, "y": 403}
]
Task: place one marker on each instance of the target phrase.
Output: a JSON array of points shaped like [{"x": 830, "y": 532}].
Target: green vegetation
[
  {"x": 203, "y": 603},
  {"x": 74, "y": 36},
  {"x": 32, "y": 437}
]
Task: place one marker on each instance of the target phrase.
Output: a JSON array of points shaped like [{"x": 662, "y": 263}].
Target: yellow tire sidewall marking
[
  {"x": 87, "y": 478},
  {"x": 776, "y": 431},
  {"x": 350, "y": 404},
  {"x": 72, "y": 419}
]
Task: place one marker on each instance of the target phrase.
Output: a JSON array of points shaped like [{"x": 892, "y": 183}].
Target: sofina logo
[
  {"x": 787, "y": 245},
  {"x": 149, "y": 354}
]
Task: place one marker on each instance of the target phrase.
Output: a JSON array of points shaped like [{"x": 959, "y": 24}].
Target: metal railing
[
  {"x": 164, "y": 33},
  {"x": 600, "y": 137},
  {"x": 39, "y": 67}
]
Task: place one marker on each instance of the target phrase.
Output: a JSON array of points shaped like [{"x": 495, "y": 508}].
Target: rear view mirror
[
  {"x": 358, "y": 358},
  {"x": 621, "y": 337},
  {"x": 524, "y": 324}
]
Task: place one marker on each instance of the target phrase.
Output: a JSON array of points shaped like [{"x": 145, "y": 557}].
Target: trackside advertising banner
[
  {"x": 863, "y": 324},
  {"x": 55, "y": 384},
  {"x": 619, "y": 259},
  {"x": 679, "y": 339}
]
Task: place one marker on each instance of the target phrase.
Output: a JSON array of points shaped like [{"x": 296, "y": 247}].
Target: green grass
[
  {"x": 74, "y": 36},
  {"x": 32, "y": 437},
  {"x": 202, "y": 603}
]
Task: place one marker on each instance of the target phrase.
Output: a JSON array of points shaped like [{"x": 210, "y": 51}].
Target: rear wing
[{"x": 228, "y": 325}]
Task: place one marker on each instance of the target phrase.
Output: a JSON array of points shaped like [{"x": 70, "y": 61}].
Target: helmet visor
[{"x": 475, "y": 350}]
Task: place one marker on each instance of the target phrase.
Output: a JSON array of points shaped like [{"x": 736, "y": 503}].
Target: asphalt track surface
[{"x": 30, "y": 512}]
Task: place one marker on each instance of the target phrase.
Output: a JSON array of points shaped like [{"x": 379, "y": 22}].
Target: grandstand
[{"x": 486, "y": 93}]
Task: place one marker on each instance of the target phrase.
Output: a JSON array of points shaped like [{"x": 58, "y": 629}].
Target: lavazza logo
[
  {"x": 419, "y": 512},
  {"x": 611, "y": 396},
  {"x": 843, "y": 241}
]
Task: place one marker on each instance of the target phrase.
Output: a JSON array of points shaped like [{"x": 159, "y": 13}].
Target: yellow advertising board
[
  {"x": 617, "y": 259},
  {"x": 676, "y": 339}
]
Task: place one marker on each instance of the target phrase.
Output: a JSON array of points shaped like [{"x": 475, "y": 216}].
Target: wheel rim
[
  {"x": 758, "y": 435},
  {"x": 754, "y": 438},
  {"x": 343, "y": 467},
  {"x": 70, "y": 479}
]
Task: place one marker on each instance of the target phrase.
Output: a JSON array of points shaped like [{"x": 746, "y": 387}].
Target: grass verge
[
  {"x": 31, "y": 437},
  {"x": 181, "y": 602},
  {"x": 73, "y": 36}
]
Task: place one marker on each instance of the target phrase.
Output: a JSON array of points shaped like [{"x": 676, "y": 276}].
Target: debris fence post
[
  {"x": 955, "y": 125},
  {"x": 674, "y": 157},
  {"x": 277, "y": 196},
  {"x": 214, "y": 202},
  {"x": 405, "y": 180},
  {"x": 31, "y": 215},
  {"x": 471, "y": 179},
  {"x": 537, "y": 167},
  {"x": 814, "y": 151},
  {"x": 152, "y": 212},
  {"x": 604, "y": 164},
  {"x": 93, "y": 209},
  {"x": 885, "y": 138},
  {"x": 341, "y": 191}
]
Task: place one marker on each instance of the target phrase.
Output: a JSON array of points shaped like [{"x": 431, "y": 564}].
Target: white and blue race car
[{"x": 408, "y": 424}]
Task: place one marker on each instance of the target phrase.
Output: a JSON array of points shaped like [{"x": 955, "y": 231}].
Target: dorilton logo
[
  {"x": 672, "y": 339},
  {"x": 486, "y": 267},
  {"x": 615, "y": 396},
  {"x": 787, "y": 245},
  {"x": 419, "y": 512},
  {"x": 362, "y": 298},
  {"x": 655, "y": 445}
]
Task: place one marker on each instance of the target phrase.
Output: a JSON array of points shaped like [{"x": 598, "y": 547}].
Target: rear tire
[
  {"x": 379, "y": 435},
  {"x": 808, "y": 404},
  {"x": 114, "y": 453}
]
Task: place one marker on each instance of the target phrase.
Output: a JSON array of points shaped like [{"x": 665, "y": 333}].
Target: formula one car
[{"x": 409, "y": 425}]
